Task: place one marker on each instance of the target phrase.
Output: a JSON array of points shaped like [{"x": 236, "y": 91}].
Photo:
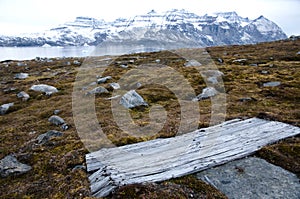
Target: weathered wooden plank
[{"x": 162, "y": 159}]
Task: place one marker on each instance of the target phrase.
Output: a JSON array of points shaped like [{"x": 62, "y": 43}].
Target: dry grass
[{"x": 53, "y": 174}]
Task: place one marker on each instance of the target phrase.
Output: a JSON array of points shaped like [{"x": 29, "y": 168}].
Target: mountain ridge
[{"x": 174, "y": 26}]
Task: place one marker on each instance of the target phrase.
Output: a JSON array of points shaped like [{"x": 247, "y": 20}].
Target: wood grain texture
[{"x": 163, "y": 159}]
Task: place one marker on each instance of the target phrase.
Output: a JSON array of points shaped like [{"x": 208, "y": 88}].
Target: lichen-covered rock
[
  {"x": 103, "y": 79},
  {"x": 43, "y": 138},
  {"x": 23, "y": 95},
  {"x": 132, "y": 99},
  {"x": 44, "y": 88},
  {"x": 97, "y": 90},
  {"x": 21, "y": 76},
  {"x": 5, "y": 107},
  {"x": 9, "y": 165},
  {"x": 56, "y": 120},
  {"x": 206, "y": 93}
]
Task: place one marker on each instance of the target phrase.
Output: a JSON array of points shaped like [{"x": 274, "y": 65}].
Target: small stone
[
  {"x": 192, "y": 63},
  {"x": 64, "y": 127},
  {"x": 220, "y": 60},
  {"x": 206, "y": 93},
  {"x": 157, "y": 61},
  {"x": 298, "y": 53},
  {"x": 43, "y": 138},
  {"x": 56, "y": 112},
  {"x": 21, "y": 76},
  {"x": 132, "y": 99},
  {"x": 272, "y": 84},
  {"x": 264, "y": 72},
  {"x": 131, "y": 61},
  {"x": 97, "y": 90},
  {"x": 253, "y": 65},
  {"x": 115, "y": 86},
  {"x": 240, "y": 61},
  {"x": 123, "y": 66},
  {"x": 247, "y": 99},
  {"x": 9, "y": 165},
  {"x": 48, "y": 90},
  {"x": 56, "y": 120},
  {"x": 76, "y": 62},
  {"x": 103, "y": 79},
  {"x": 5, "y": 107},
  {"x": 23, "y": 95},
  {"x": 21, "y": 64}
]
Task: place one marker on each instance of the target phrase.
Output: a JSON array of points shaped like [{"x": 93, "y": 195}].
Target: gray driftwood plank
[{"x": 162, "y": 159}]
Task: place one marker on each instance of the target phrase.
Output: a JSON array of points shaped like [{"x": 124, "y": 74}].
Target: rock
[
  {"x": 9, "y": 165},
  {"x": 103, "y": 79},
  {"x": 298, "y": 53},
  {"x": 8, "y": 90},
  {"x": 264, "y": 72},
  {"x": 220, "y": 60},
  {"x": 48, "y": 90},
  {"x": 240, "y": 61},
  {"x": 97, "y": 90},
  {"x": 192, "y": 63},
  {"x": 271, "y": 84},
  {"x": 252, "y": 178},
  {"x": 5, "y": 107},
  {"x": 64, "y": 127},
  {"x": 132, "y": 99},
  {"x": 247, "y": 99},
  {"x": 157, "y": 61},
  {"x": 55, "y": 112},
  {"x": 43, "y": 138},
  {"x": 206, "y": 93},
  {"x": 23, "y": 95},
  {"x": 21, "y": 76},
  {"x": 131, "y": 61},
  {"x": 213, "y": 80},
  {"x": 93, "y": 84},
  {"x": 56, "y": 120},
  {"x": 76, "y": 62},
  {"x": 115, "y": 86},
  {"x": 21, "y": 64},
  {"x": 212, "y": 75},
  {"x": 253, "y": 65},
  {"x": 123, "y": 66}
]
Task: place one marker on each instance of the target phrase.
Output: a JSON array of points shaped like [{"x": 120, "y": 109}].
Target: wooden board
[{"x": 162, "y": 159}]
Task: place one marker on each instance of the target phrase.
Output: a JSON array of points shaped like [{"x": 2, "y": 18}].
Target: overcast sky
[{"x": 17, "y": 16}]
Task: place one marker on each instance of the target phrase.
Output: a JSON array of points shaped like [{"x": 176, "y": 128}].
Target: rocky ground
[{"x": 44, "y": 156}]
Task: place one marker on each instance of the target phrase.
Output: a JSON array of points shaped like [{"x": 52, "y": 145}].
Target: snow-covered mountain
[{"x": 178, "y": 27}]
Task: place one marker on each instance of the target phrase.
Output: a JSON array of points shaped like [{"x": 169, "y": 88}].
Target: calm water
[{"x": 27, "y": 53}]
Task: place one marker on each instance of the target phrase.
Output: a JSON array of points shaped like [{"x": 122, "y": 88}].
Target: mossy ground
[{"x": 53, "y": 174}]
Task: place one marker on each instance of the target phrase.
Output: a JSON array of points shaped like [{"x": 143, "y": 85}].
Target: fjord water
[{"x": 28, "y": 53}]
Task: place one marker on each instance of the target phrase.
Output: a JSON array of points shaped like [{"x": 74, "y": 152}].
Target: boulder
[
  {"x": 5, "y": 107},
  {"x": 115, "y": 86},
  {"x": 97, "y": 90},
  {"x": 9, "y": 165},
  {"x": 23, "y": 95},
  {"x": 56, "y": 120},
  {"x": 192, "y": 63},
  {"x": 132, "y": 99},
  {"x": 206, "y": 93},
  {"x": 103, "y": 79},
  {"x": 43, "y": 138},
  {"x": 21, "y": 76},
  {"x": 48, "y": 90}
]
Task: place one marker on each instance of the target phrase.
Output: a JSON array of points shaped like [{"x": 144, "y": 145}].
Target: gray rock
[
  {"x": 97, "y": 90},
  {"x": 213, "y": 80},
  {"x": 272, "y": 84},
  {"x": 103, "y": 79},
  {"x": 56, "y": 120},
  {"x": 44, "y": 88},
  {"x": 5, "y": 107},
  {"x": 43, "y": 138},
  {"x": 56, "y": 112},
  {"x": 264, "y": 72},
  {"x": 220, "y": 60},
  {"x": 21, "y": 76},
  {"x": 247, "y": 99},
  {"x": 64, "y": 127},
  {"x": 123, "y": 66},
  {"x": 240, "y": 61},
  {"x": 9, "y": 165},
  {"x": 21, "y": 64},
  {"x": 255, "y": 65},
  {"x": 206, "y": 93},
  {"x": 298, "y": 53},
  {"x": 191, "y": 63},
  {"x": 76, "y": 62},
  {"x": 115, "y": 86},
  {"x": 252, "y": 178},
  {"x": 132, "y": 99},
  {"x": 23, "y": 95},
  {"x": 157, "y": 61}
]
